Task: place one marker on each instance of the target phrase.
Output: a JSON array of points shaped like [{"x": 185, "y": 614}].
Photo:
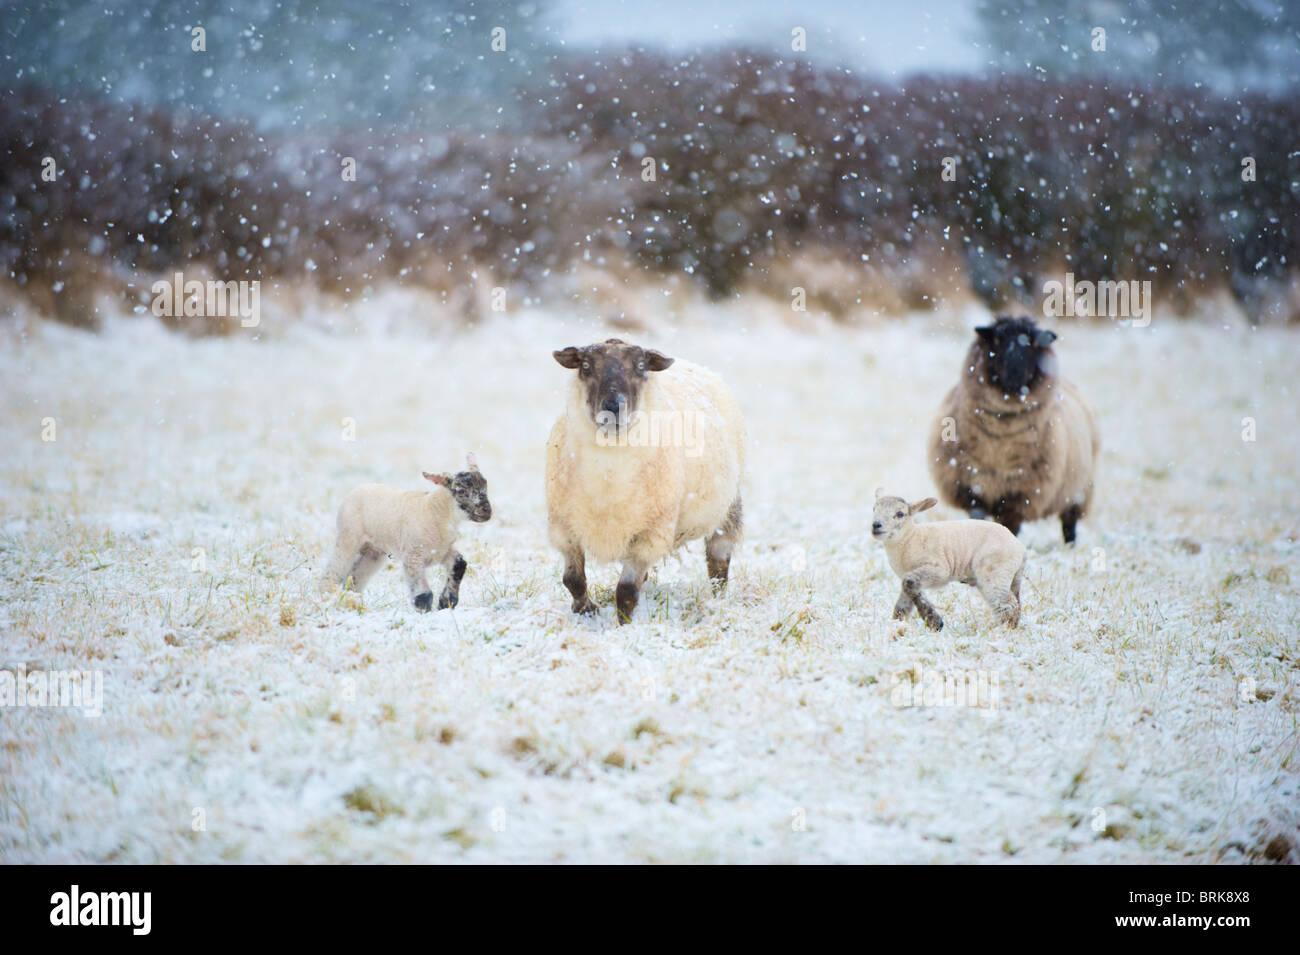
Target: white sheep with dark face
[
  {"x": 926, "y": 556},
  {"x": 647, "y": 455},
  {"x": 417, "y": 527}
]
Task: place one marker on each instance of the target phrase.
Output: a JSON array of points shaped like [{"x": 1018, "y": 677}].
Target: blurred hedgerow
[{"x": 765, "y": 171}]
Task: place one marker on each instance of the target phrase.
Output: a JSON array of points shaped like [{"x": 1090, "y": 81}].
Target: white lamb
[
  {"x": 981, "y": 553},
  {"x": 647, "y": 455},
  {"x": 416, "y": 527}
]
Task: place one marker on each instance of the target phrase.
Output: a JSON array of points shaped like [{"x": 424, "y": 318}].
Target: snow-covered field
[{"x": 170, "y": 534}]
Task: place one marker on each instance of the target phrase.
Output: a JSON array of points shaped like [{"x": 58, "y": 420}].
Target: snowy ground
[{"x": 248, "y": 719}]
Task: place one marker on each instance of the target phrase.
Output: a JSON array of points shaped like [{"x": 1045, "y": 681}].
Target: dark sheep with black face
[
  {"x": 1014, "y": 355},
  {"x": 1013, "y": 440}
]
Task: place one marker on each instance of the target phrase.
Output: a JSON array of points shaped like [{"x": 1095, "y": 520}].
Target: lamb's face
[
  {"x": 892, "y": 515},
  {"x": 611, "y": 375},
  {"x": 1014, "y": 354},
  {"x": 469, "y": 488}
]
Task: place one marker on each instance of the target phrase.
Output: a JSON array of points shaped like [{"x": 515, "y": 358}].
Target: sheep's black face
[
  {"x": 612, "y": 374},
  {"x": 1014, "y": 354},
  {"x": 469, "y": 488}
]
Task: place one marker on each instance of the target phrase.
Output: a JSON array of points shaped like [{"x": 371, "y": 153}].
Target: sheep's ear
[
  {"x": 471, "y": 461},
  {"x": 657, "y": 361},
  {"x": 880, "y": 492},
  {"x": 925, "y": 505},
  {"x": 569, "y": 357},
  {"x": 1044, "y": 338},
  {"x": 437, "y": 478}
]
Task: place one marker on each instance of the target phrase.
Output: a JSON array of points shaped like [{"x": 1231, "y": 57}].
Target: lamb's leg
[
  {"x": 575, "y": 578},
  {"x": 721, "y": 543},
  {"x": 1003, "y": 601},
  {"x": 456, "y": 565},
  {"x": 628, "y": 591},
  {"x": 1069, "y": 518},
  {"x": 1001, "y": 589},
  {"x": 342, "y": 562},
  {"x": 903, "y": 606},
  {"x": 421, "y": 593},
  {"x": 912, "y": 585},
  {"x": 369, "y": 561},
  {"x": 1013, "y": 618}
]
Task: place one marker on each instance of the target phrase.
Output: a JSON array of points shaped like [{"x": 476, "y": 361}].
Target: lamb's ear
[
  {"x": 880, "y": 492},
  {"x": 657, "y": 361},
  {"x": 442, "y": 479},
  {"x": 1044, "y": 338},
  {"x": 925, "y": 505},
  {"x": 471, "y": 461},
  {"x": 569, "y": 357}
]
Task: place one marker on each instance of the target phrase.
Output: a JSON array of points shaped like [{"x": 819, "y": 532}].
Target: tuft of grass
[
  {"x": 367, "y": 799},
  {"x": 791, "y": 626},
  {"x": 616, "y": 758}
]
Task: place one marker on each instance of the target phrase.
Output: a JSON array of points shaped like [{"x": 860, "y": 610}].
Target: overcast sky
[{"x": 889, "y": 38}]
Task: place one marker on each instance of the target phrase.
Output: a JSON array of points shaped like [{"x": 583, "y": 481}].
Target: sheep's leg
[
  {"x": 456, "y": 565},
  {"x": 643, "y": 551},
  {"x": 1069, "y": 518},
  {"x": 366, "y": 564},
  {"x": 421, "y": 593},
  {"x": 903, "y": 606},
  {"x": 720, "y": 545},
  {"x": 1007, "y": 513},
  {"x": 969, "y": 500},
  {"x": 575, "y": 578},
  {"x": 628, "y": 590},
  {"x": 912, "y": 585}
]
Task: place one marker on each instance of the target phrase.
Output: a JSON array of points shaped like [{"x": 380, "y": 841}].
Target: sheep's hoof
[
  {"x": 718, "y": 571},
  {"x": 625, "y": 597},
  {"x": 900, "y": 613},
  {"x": 934, "y": 622},
  {"x": 585, "y": 606},
  {"x": 424, "y": 601},
  {"x": 445, "y": 601}
]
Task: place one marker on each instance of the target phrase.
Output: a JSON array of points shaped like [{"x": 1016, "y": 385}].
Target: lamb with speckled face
[
  {"x": 616, "y": 493},
  {"x": 928, "y": 556},
  {"x": 416, "y": 527}
]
